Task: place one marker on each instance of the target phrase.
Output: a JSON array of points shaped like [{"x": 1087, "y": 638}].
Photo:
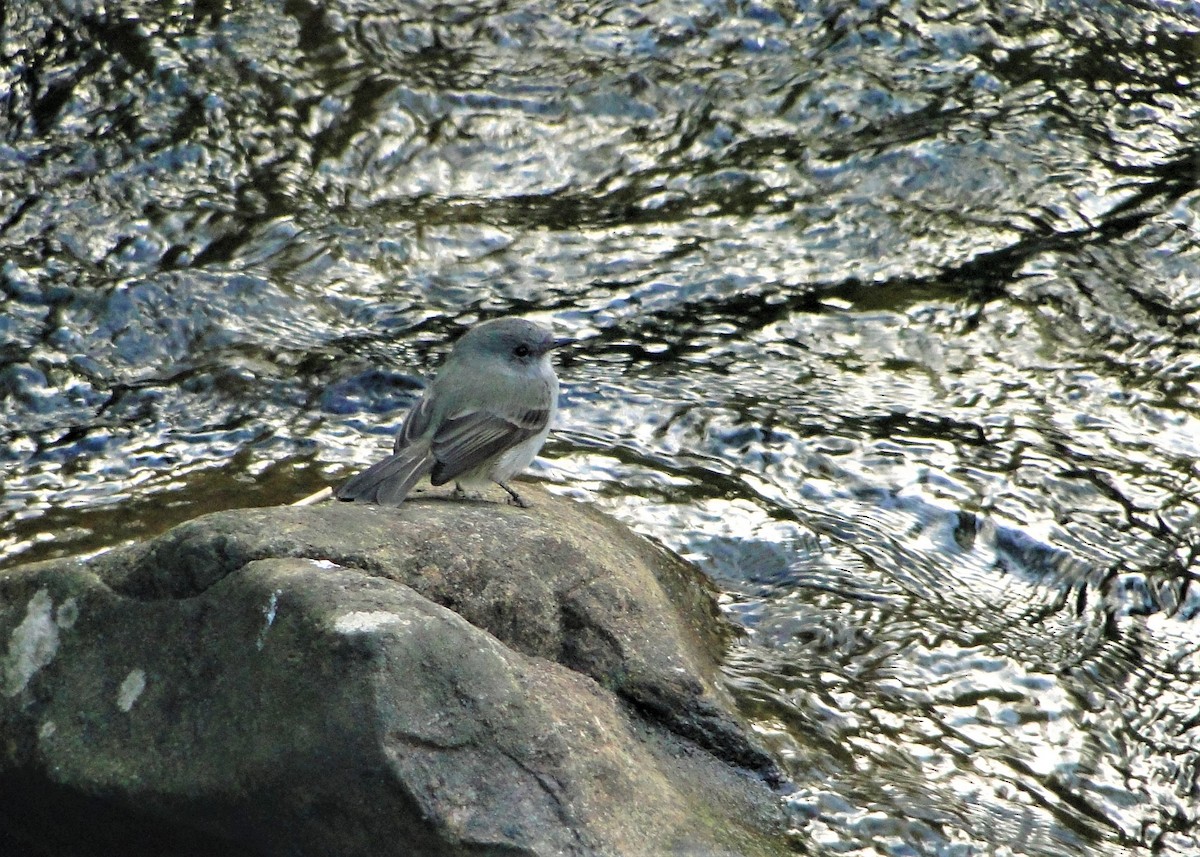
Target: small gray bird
[{"x": 482, "y": 419}]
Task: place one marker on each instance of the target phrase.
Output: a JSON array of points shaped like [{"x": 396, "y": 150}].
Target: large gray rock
[{"x": 441, "y": 678}]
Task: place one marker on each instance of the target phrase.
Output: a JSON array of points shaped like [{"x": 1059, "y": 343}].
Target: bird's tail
[{"x": 389, "y": 481}]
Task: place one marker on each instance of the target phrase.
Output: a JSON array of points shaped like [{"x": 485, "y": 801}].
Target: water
[{"x": 890, "y": 320}]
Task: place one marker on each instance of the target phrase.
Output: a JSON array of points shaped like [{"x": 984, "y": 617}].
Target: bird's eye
[{"x": 521, "y": 351}]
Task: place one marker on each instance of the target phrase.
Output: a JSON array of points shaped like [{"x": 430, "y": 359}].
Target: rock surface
[{"x": 441, "y": 678}]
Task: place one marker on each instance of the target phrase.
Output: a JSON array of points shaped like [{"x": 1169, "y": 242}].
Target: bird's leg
[
  {"x": 459, "y": 492},
  {"x": 513, "y": 496}
]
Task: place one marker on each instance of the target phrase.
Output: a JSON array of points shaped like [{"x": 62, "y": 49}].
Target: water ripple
[{"x": 888, "y": 318}]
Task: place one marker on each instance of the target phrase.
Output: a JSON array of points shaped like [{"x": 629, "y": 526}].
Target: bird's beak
[{"x": 562, "y": 343}]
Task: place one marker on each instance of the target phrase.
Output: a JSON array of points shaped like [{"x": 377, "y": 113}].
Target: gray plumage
[{"x": 482, "y": 419}]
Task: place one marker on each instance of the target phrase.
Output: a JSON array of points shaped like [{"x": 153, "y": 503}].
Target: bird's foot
[
  {"x": 514, "y": 498},
  {"x": 461, "y": 493}
]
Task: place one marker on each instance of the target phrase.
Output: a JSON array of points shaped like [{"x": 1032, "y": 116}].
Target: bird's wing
[
  {"x": 415, "y": 422},
  {"x": 465, "y": 441}
]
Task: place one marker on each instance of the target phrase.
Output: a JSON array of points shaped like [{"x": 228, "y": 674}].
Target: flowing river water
[{"x": 889, "y": 318}]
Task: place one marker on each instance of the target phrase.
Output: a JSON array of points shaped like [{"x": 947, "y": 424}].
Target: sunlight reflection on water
[{"x": 888, "y": 319}]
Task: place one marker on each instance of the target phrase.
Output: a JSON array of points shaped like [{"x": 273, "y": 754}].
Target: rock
[{"x": 443, "y": 678}]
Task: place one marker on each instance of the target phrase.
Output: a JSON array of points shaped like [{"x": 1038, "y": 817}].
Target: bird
[{"x": 482, "y": 419}]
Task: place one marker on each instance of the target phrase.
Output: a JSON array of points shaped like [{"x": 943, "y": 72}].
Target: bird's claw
[{"x": 514, "y": 499}]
